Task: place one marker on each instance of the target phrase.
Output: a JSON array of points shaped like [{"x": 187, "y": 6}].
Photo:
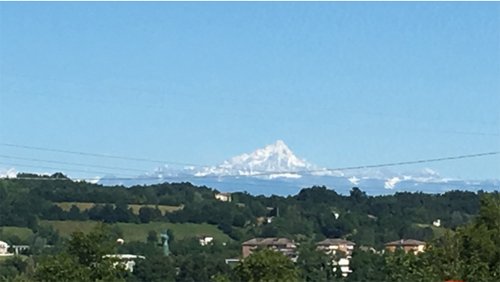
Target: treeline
[
  {"x": 316, "y": 212},
  {"x": 471, "y": 253}
]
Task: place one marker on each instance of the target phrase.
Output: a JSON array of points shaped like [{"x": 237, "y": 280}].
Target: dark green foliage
[
  {"x": 12, "y": 267},
  {"x": 147, "y": 214},
  {"x": 469, "y": 250},
  {"x": 199, "y": 267},
  {"x": 266, "y": 266},
  {"x": 472, "y": 253},
  {"x": 155, "y": 269},
  {"x": 366, "y": 266},
  {"x": 152, "y": 237},
  {"x": 83, "y": 259},
  {"x": 314, "y": 265},
  {"x": 402, "y": 267},
  {"x": 140, "y": 248}
]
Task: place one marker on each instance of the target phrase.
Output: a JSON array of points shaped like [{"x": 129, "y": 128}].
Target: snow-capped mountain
[
  {"x": 275, "y": 169},
  {"x": 275, "y": 160}
]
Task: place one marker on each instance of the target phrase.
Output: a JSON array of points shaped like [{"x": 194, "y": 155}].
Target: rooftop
[
  {"x": 335, "y": 241},
  {"x": 405, "y": 242},
  {"x": 268, "y": 241}
]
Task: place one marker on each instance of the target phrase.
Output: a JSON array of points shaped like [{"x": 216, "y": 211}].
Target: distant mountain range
[{"x": 275, "y": 169}]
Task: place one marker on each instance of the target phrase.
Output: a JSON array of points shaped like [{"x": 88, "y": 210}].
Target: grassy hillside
[
  {"x": 23, "y": 233},
  {"x": 163, "y": 208},
  {"x": 139, "y": 232},
  {"x": 135, "y": 207}
]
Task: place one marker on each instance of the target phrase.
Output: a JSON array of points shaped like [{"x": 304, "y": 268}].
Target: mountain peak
[
  {"x": 279, "y": 144},
  {"x": 273, "y": 158}
]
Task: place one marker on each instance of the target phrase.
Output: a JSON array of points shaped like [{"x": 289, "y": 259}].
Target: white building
[
  {"x": 224, "y": 197},
  {"x": 4, "y": 249},
  {"x": 126, "y": 260},
  {"x": 437, "y": 222},
  {"x": 206, "y": 240},
  {"x": 344, "y": 266},
  {"x": 341, "y": 250}
]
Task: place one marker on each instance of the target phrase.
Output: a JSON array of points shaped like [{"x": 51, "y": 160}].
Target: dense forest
[
  {"x": 316, "y": 212},
  {"x": 313, "y": 214}
]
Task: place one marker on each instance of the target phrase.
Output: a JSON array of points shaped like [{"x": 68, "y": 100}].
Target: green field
[
  {"x": 163, "y": 208},
  {"x": 139, "y": 232},
  {"x": 135, "y": 207},
  {"x": 23, "y": 233}
]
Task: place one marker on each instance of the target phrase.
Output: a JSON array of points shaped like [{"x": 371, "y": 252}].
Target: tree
[
  {"x": 155, "y": 269},
  {"x": 402, "y": 267},
  {"x": 265, "y": 266},
  {"x": 366, "y": 266},
  {"x": 12, "y": 267},
  {"x": 152, "y": 237},
  {"x": 314, "y": 265},
  {"x": 472, "y": 253},
  {"x": 83, "y": 259},
  {"x": 147, "y": 214},
  {"x": 61, "y": 268},
  {"x": 200, "y": 267},
  {"x": 74, "y": 213}
]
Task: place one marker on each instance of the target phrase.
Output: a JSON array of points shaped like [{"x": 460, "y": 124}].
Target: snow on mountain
[
  {"x": 425, "y": 175},
  {"x": 354, "y": 180},
  {"x": 275, "y": 169},
  {"x": 273, "y": 161},
  {"x": 8, "y": 173}
]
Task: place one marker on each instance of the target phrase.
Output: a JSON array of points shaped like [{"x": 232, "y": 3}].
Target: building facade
[
  {"x": 4, "y": 248},
  {"x": 341, "y": 252},
  {"x": 407, "y": 245},
  {"x": 224, "y": 197},
  {"x": 283, "y": 245}
]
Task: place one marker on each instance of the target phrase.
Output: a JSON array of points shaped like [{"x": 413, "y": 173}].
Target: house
[
  {"x": 4, "y": 249},
  {"x": 343, "y": 263},
  {"x": 283, "y": 245},
  {"x": 20, "y": 248},
  {"x": 341, "y": 250},
  {"x": 332, "y": 245},
  {"x": 224, "y": 197},
  {"x": 407, "y": 245},
  {"x": 126, "y": 260},
  {"x": 437, "y": 222},
  {"x": 205, "y": 240}
]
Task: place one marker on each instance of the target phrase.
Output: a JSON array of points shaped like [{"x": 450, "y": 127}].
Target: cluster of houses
[{"x": 340, "y": 249}]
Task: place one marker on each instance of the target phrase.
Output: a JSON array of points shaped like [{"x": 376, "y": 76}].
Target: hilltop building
[
  {"x": 206, "y": 240},
  {"x": 224, "y": 197},
  {"x": 407, "y": 245},
  {"x": 283, "y": 245}
]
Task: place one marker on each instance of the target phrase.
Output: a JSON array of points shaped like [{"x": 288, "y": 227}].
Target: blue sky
[{"x": 341, "y": 83}]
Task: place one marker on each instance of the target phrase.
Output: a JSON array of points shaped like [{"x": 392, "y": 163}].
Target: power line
[
  {"x": 449, "y": 158},
  {"x": 70, "y": 163},
  {"x": 62, "y": 170},
  {"x": 98, "y": 155},
  {"x": 387, "y": 164}
]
